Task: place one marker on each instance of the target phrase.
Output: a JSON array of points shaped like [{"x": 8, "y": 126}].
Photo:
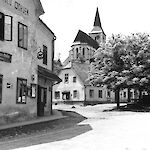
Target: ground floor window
[
  {"x": 100, "y": 94},
  {"x": 91, "y": 93},
  {"x": 1, "y": 80},
  {"x": 108, "y": 94},
  {"x": 21, "y": 90},
  {"x": 75, "y": 94},
  {"x": 57, "y": 95}
]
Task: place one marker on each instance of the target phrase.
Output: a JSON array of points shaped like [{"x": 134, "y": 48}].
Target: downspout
[
  {"x": 51, "y": 89},
  {"x": 84, "y": 95}
]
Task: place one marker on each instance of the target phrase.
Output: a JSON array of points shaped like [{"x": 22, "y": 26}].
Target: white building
[{"x": 25, "y": 78}]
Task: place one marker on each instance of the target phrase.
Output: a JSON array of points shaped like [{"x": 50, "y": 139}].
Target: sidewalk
[{"x": 56, "y": 115}]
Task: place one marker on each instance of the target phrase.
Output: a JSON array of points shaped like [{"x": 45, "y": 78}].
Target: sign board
[
  {"x": 5, "y": 57},
  {"x": 17, "y": 6}
]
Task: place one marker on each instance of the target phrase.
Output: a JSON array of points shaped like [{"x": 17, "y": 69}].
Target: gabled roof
[
  {"x": 84, "y": 38},
  {"x": 47, "y": 27},
  {"x": 81, "y": 69}
]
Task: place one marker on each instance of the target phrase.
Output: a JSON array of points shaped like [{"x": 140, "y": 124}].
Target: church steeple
[
  {"x": 97, "y": 32},
  {"x": 97, "y": 21}
]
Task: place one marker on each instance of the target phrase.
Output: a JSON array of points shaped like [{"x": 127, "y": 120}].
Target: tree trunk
[
  {"x": 140, "y": 93},
  {"x": 117, "y": 97}
]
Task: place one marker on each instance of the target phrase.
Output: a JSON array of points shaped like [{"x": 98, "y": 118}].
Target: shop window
[
  {"x": 66, "y": 78},
  {"x": 1, "y": 80},
  {"x": 21, "y": 91},
  {"x": 91, "y": 93},
  {"x": 57, "y": 95},
  {"x": 5, "y": 27},
  {"x": 22, "y": 36},
  {"x": 100, "y": 94},
  {"x": 44, "y": 55},
  {"x": 74, "y": 79},
  {"x": 75, "y": 94}
]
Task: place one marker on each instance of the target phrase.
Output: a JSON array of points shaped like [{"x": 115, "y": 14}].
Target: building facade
[{"x": 26, "y": 56}]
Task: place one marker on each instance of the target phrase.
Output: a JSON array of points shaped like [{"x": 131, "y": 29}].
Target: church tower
[{"x": 97, "y": 32}]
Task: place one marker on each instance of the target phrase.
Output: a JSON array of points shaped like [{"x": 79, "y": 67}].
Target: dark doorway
[{"x": 41, "y": 100}]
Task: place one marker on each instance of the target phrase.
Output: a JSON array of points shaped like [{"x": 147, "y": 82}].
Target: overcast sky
[{"x": 66, "y": 17}]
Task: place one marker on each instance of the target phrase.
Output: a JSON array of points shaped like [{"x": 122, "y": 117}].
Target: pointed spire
[{"x": 97, "y": 21}]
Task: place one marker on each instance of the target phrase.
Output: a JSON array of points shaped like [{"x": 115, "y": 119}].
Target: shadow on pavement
[{"x": 59, "y": 130}]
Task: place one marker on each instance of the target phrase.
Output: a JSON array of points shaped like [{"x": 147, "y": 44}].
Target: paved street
[{"x": 109, "y": 131}]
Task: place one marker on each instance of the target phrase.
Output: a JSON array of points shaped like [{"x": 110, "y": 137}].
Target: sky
[{"x": 66, "y": 17}]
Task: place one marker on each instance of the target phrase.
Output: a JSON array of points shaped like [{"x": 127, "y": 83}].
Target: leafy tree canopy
[{"x": 124, "y": 61}]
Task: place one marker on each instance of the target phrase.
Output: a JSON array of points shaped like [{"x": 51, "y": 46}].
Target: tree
[
  {"x": 57, "y": 66},
  {"x": 123, "y": 62}
]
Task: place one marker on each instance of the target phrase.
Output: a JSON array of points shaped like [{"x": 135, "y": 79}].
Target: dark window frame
[
  {"x": 66, "y": 80},
  {"x": 100, "y": 93},
  {"x": 91, "y": 93},
  {"x": 74, "y": 79},
  {"x": 75, "y": 94},
  {"x": 2, "y": 26},
  {"x": 57, "y": 94},
  {"x": 24, "y": 46},
  {"x": 22, "y": 90}
]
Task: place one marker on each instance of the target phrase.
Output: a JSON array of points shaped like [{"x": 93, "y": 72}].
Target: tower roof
[{"x": 97, "y": 21}]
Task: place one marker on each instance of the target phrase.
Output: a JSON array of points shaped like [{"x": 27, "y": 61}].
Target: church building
[{"x": 74, "y": 86}]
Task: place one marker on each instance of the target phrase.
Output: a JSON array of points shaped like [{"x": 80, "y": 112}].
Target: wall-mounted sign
[
  {"x": 9, "y": 85},
  {"x": 5, "y": 57},
  {"x": 17, "y": 6},
  {"x": 40, "y": 55}
]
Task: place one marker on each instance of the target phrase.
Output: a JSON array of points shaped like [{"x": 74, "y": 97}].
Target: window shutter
[
  {"x": 2, "y": 18},
  {"x": 44, "y": 55}
]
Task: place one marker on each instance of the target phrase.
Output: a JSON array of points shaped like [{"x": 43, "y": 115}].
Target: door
[{"x": 41, "y": 100}]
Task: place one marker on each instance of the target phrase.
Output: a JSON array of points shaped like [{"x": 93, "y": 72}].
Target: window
[
  {"x": 21, "y": 91},
  {"x": 124, "y": 94},
  {"x": 75, "y": 92},
  {"x": 77, "y": 53},
  {"x": 44, "y": 55},
  {"x": 1, "y": 79},
  {"x": 8, "y": 28},
  {"x": 66, "y": 78},
  {"x": 22, "y": 36},
  {"x": 83, "y": 51},
  {"x": 108, "y": 94},
  {"x": 5, "y": 27},
  {"x": 91, "y": 93},
  {"x": 74, "y": 79},
  {"x": 57, "y": 95},
  {"x": 100, "y": 94}
]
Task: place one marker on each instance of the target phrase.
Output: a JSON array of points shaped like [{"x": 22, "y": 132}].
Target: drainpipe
[
  {"x": 51, "y": 89},
  {"x": 84, "y": 95}
]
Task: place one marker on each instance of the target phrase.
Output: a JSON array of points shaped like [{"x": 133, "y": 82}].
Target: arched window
[{"x": 83, "y": 51}]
